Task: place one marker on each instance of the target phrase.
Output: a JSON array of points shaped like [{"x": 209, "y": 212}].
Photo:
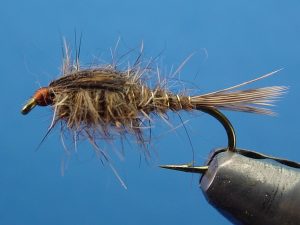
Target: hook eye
[{"x": 29, "y": 106}]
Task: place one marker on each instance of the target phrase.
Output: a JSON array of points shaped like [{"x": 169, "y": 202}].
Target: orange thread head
[{"x": 43, "y": 97}]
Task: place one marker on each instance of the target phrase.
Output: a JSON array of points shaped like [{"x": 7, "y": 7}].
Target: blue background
[{"x": 233, "y": 41}]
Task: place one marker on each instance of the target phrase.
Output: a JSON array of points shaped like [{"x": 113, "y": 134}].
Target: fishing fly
[{"x": 101, "y": 101}]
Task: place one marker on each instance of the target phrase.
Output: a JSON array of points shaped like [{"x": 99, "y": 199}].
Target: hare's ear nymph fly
[
  {"x": 106, "y": 102},
  {"x": 42, "y": 97}
]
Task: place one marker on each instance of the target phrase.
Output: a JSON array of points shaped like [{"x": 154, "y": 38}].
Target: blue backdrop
[{"x": 233, "y": 41}]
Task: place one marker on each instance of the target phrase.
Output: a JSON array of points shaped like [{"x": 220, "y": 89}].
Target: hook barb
[{"x": 186, "y": 168}]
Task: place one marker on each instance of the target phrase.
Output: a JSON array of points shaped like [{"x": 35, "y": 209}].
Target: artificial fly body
[{"x": 99, "y": 102}]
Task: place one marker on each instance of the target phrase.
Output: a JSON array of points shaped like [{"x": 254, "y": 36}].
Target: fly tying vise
[{"x": 247, "y": 187}]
